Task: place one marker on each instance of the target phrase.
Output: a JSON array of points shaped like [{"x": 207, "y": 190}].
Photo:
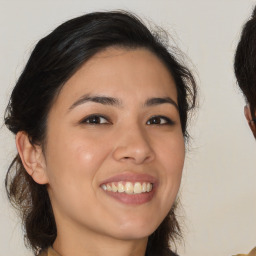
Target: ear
[
  {"x": 32, "y": 158},
  {"x": 248, "y": 115}
]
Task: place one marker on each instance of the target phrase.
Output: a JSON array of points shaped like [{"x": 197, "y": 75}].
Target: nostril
[{"x": 134, "y": 152}]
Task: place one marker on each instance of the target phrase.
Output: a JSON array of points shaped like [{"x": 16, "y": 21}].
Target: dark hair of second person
[
  {"x": 245, "y": 68},
  {"x": 245, "y": 71}
]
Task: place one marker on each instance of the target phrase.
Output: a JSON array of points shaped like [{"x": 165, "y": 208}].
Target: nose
[{"x": 133, "y": 145}]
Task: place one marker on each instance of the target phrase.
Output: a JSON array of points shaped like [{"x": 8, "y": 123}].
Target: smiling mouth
[
  {"x": 128, "y": 187},
  {"x": 131, "y": 188}
]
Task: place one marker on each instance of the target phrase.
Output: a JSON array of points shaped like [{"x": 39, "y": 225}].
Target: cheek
[
  {"x": 172, "y": 158},
  {"x": 74, "y": 159},
  {"x": 172, "y": 151},
  {"x": 73, "y": 167}
]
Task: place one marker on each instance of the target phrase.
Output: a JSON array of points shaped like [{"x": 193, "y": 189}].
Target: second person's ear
[{"x": 251, "y": 122}]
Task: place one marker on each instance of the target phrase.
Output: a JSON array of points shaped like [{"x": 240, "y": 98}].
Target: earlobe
[
  {"x": 251, "y": 123},
  {"x": 32, "y": 158}
]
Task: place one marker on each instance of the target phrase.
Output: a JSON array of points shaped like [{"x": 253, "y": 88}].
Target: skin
[
  {"x": 79, "y": 155},
  {"x": 248, "y": 116}
]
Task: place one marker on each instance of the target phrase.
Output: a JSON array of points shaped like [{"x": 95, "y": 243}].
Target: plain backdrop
[{"x": 218, "y": 189}]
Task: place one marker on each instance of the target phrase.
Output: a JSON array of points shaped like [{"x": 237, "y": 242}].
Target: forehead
[{"x": 117, "y": 72}]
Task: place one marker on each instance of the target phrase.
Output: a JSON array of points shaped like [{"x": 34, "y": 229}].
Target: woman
[{"x": 100, "y": 116}]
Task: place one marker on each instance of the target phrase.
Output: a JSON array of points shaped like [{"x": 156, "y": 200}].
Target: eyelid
[
  {"x": 168, "y": 120},
  {"x": 85, "y": 119}
]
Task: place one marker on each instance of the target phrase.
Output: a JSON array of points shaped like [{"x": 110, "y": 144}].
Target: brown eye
[
  {"x": 159, "y": 120},
  {"x": 95, "y": 119}
]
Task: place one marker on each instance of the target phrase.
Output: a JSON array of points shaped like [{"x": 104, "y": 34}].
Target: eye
[
  {"x": 159, "y": 120},
  {"x": 95, "y": 119}
]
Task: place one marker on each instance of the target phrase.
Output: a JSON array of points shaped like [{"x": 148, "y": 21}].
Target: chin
[{"x": 136, "y": 230}]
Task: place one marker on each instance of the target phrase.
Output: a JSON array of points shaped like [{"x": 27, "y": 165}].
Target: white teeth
[
  {"x": 114, "y": 187},
  {"x": 137, "y": 189},
  {"x": 149, "y": 187},
  {"x": 144, "y": 187},
  {"x": 120, "y": 187},
  {"x": 128, "y": 187}
]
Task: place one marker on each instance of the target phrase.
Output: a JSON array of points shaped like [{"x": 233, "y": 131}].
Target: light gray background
[{"x": 218, "y": 190}]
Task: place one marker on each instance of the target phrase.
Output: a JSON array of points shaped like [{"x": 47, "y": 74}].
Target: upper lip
[{"x": 132, "y": 177}]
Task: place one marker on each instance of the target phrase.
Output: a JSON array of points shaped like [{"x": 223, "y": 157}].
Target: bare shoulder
[
  {"x": 252, "y": 253},
  {"x": 49, "y": 252}
]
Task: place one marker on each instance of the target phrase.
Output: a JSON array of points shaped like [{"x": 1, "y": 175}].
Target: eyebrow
[
  {"x": 98, "y": 99},
  {"x": 110, "y": 101},
  {"x": 158, "y": 101}
]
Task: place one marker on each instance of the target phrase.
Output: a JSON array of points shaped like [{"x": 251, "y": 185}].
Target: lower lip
[{"x": 135, "y": 199}]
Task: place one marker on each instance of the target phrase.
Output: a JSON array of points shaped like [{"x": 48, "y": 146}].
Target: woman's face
[{"x": 114, "y": 148}]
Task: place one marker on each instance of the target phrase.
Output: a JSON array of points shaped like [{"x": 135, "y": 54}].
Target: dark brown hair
[
  {"x": 53, "y": 61},
  {"x": 245, "y": 62}
]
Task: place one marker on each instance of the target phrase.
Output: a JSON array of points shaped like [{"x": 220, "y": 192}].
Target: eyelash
[
  {"x": 96, "y": 119},
  {"x": 167, "y": 121}
]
